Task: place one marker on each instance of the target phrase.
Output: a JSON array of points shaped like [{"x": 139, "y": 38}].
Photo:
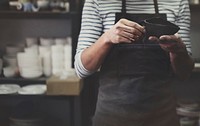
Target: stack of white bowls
[
  {"x": 52, "y": 56},
  {"x": 29, "y": 61},
  {"x": 57, "y": 59},
  {"x": 68, "y": 55},
  {"x": 45, "y": 54},
  {"x": 29, "y": 65}
]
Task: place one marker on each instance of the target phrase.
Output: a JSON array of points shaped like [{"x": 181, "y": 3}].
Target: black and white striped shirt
[{"x": 99, "y": 16}]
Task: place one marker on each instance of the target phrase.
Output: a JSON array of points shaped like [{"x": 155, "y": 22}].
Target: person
[{"x": 136, "y": 70}]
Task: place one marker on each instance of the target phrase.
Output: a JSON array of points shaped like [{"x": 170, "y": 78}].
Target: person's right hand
[{"x": 124, "y": 31}]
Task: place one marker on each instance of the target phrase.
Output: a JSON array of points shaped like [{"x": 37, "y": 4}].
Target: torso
[{"x": 128, "y": 96}]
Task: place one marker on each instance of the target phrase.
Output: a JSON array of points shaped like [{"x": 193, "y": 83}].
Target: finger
[
  {"x": 134, "y": 31},
  {"x": 133, "y": 25},
  {"x": 123, "y": 39},
  {"x": 130, "y": 37},
  {"x": 154, "y": 39},
  {"x": 130, "y": 30},
  {"x": 128, "y": 34},
  {"x": 168, "y": 39},
  {"x": 126, "y": 40}
]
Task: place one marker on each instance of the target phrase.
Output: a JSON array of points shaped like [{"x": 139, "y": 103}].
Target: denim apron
[{"x": 135, "y": 83}]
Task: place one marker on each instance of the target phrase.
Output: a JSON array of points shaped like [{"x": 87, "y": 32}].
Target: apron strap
[
  {"x": 124, "y": 7},
  {"x": 156, "y": 6}
]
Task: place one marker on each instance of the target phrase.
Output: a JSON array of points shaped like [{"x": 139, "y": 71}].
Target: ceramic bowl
[{"x": 157, "y": 27}]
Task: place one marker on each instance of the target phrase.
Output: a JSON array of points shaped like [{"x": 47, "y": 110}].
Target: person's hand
[
  {"x": 170, "y": 43},
  {"x": 124, "y": 31}
]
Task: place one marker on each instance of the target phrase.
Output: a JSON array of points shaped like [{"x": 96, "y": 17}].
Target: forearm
[
  {"x": 124, "y": 31},
  {"x": 93, "y": 56},
  {"x": 182, "y": 64}
]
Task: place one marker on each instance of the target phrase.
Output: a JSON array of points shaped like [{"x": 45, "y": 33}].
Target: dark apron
[{"x": 135, "y": 84}]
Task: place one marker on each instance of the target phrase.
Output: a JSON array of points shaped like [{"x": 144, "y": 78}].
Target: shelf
[
  {"x": 36, "y": 15},
  {"x": 19, "y": 96},
  {"x": 23, "y": 81},
  {"x": 55, "y": 86}
]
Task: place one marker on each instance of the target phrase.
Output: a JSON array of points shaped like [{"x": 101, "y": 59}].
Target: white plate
[
  {"x": 33, "y": 89},
  {"x": 9, "y": 88}
]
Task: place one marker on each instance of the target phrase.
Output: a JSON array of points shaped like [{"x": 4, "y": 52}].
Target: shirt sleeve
[
  {"x": 183, "y": 20},
  {"x": 91, "y": 30}
]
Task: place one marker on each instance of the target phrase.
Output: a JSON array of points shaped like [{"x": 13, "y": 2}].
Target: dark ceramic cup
[{"x": 157, "y": 27}]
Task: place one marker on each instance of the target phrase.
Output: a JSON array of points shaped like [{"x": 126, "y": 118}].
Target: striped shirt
[{"x": 99, "y": 16}]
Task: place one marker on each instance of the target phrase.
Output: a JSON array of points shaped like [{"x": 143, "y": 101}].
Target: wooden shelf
[
  {"x": 22, "y": 81},
  {"x": 55, "y": 86},
  {"x": 19, "y": 96},
  {"x": 36, "y": 15}
]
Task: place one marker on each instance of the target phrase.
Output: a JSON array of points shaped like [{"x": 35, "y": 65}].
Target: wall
[{"x": 16, "y": 30}]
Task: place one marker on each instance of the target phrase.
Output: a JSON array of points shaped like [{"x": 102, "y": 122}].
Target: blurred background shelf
[
  {"x": 31, "y": 96},
  {"x": 36, "y": 15}
]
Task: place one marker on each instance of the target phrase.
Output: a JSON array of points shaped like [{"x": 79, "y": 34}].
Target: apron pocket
[{"x": 140, "y": 59}]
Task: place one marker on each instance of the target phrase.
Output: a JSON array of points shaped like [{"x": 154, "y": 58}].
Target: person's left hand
[{"x": 170, "y": 43}]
